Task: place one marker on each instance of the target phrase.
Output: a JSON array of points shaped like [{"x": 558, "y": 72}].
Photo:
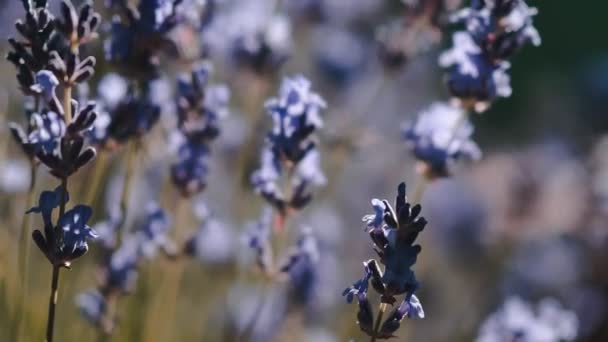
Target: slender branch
[
  {"x": 381, "y": 310},
  {"x": 52, "y": 304}
]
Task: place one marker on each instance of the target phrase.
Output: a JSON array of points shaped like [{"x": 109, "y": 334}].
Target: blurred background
[{"x": 528, "y": 220}]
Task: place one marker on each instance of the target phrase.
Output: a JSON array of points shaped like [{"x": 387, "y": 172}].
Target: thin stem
[
  {"x": 98, "y": 172},
  {"x": 126, "y": 189},
  {"x": 64, "y": 198},
  {"x": 52, "y": 304},
  {"x": 67, "y": 104},
  {"x": 24, "y": 251},
  {"x": 381, "y": 310}
]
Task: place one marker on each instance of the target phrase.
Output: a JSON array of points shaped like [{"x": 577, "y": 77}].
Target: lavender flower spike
[{"x": 393, "y": 232}]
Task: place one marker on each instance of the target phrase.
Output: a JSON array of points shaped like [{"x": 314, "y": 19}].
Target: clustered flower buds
[
  {"x": 518, "y": 320},
  {"x": 478, "y": 61},
  {"x": 290, "y": 149},
  {"x": 139, "y": 34},
  {"x": 437, "y": 139},
  {"x": 393, "y": 232},
  {"x": 199, "y": 108},
  {"x": 66, "y": 240},
  {"x": 130, "y": 115}
]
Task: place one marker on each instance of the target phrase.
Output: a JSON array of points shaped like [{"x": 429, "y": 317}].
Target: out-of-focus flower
[
  {"x": 139, "y": 34},
  {"x": 199, "y": 108},
  {"x": 213, "y": 242},
  {"x": 130, "y": 116},
  {"x": 393, "y": 232},
  {"x": 518, "y": 320},
  {"x": 120, "y": 273},
  {"x": 290, "y": 147},
  {"x": 300, "y": 264},
  {"x": 339, "y": 53},
  {"x": 478, "y": 60},
  {"x": 153, "y": 233},
  {"x": 500, "y": 28},
  {"x": 65, "y": 241},
  {"x": 440, "y": 136},
  {"x": 419, "y": 30},
  {"x": 92, "y": 305},
  {"x": 472, "y": 79},
  {"x": 14, "y": 176},
  {"x": 252, "y": 35}
]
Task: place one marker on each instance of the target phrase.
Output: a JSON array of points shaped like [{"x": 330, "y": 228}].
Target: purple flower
[
  {"x": 92, "y": 306},
  {"x": 199, "y": 109},
  {"x": 393, "y": 232},
  {"x": 290, "y": 146},
  {"x": 65, "y": 241},
  {"x": 434, "y": 138}
]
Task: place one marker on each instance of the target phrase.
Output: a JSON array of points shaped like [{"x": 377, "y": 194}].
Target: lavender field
[{"x": 303, "y": 170}]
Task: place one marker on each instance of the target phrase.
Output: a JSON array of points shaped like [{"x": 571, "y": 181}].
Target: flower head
[
  {"x": 138, "y": 35},
  {"x": 125, "y": 114},
  {"x": 393, "y": 232},
  {"x": 199, "y": 108},
  {"x": 290, "y": 146},
  {"x": 478, "y": 60},
  {"x": 438, "y": 138},
  {"x": 518, "y": 320},
  {"x": 66, "y": 240}
]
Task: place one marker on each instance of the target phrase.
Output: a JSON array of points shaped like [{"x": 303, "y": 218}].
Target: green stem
[
  {"x": 381, "y": 310},
  {"x": 24, "y": 252},
  {"x": 52, "y": 304},
  {"x": 126, "y": 189},
  {"x": 98, "y": 172}
]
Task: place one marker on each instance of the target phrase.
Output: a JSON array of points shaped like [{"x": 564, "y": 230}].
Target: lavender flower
[
  {"x": 213, "y": 242},
  {"x": 438, "y": 138},
  {"x": 92, "y": 306},
  {"x": 153, "y": 233},
  {"x": 124, "y": 114},
  {"x": 33, "y": 53},
  {"x": 290, "y": 146},
  {"x": 199, "y": 109},
  {"x": 66, "y": 240},
  {"x": 252, "y": 36},
  {"x": 139, "y": 34},
  {"x": 518, "y": 321},
  {"x": 393, "y": 232},
  {"x": 14, "y": 176},
  {"x": 121, "y": 272},
  {"x": 478, "y": 61},
  {"x": 300, "y": 264}
]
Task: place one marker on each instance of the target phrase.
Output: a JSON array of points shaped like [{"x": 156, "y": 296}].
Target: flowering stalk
[
  {"x": 393, "y": 233},
  {"x": 377, "y": 325},
  {"x": 55, "y": 133},
  {"x": 290, "y": 165}
]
